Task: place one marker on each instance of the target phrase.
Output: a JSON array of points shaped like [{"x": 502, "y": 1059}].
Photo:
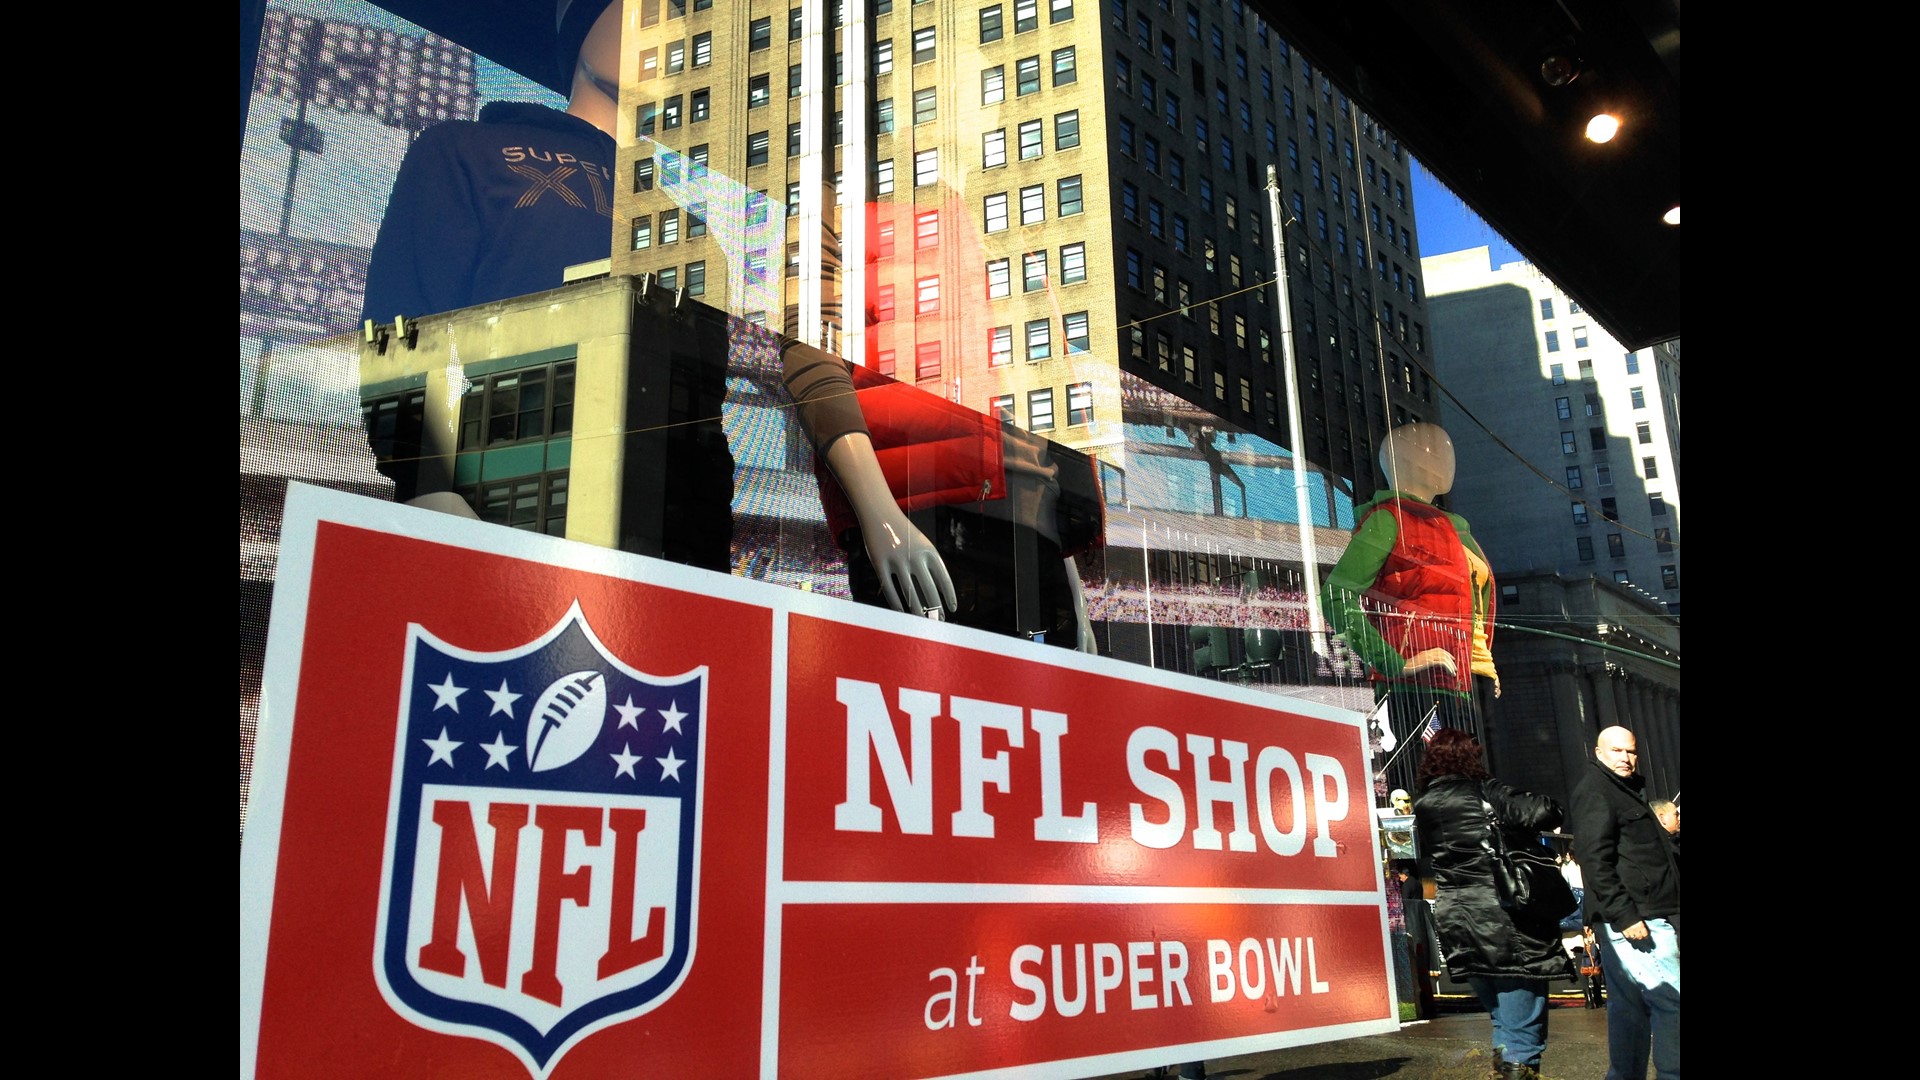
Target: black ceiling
[{"x": 1459, "y": 82}]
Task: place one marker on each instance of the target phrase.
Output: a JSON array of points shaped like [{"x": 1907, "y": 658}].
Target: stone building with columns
[{"x": 1577, "y": 655}]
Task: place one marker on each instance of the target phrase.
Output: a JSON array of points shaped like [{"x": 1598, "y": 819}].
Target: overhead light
[
  {"x": 1672, "y": 217},
  {"x": 1603, "y": 127}
]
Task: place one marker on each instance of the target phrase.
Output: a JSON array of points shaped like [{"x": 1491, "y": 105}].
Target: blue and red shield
[{"x": 542, "y": 843}]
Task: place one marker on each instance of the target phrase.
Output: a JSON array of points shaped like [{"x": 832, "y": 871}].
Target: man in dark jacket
[{"x": 1633, "y": 904}]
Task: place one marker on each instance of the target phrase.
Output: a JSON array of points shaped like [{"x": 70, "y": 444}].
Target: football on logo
[{"x": 566, "y": 720}]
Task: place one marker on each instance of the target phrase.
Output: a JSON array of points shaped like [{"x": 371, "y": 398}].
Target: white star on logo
[
  {"x": 626, "y": 759},
  {"x": 503, "y": 700},
  {"x": 669, "y": 766},
  {"x": 629, "y": 714},
  {"x": 498, "y": 750},
  {"x": 674, "y": 716},
  {"x": 447, "y": 694},
  {"x": 442, "y": 748}
]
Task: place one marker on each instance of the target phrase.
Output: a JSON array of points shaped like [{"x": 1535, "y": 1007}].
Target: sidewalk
[{"x": 1453, "y": 1047}]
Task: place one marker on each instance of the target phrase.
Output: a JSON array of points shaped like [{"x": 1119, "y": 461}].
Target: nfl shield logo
[{"x": 542, "y": 840}]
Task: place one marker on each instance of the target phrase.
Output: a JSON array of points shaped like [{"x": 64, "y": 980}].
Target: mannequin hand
[
  {"x": 1428, "y": 659},
  {"x": 913, "y": 577}
]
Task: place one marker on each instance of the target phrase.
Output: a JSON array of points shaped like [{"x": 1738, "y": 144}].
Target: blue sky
[{"x": 1448, "y": 224}]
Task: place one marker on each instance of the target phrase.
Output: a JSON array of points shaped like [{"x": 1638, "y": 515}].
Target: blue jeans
[
  {"x": 1643, "y": 1001},
  {"x": 1519, "y": 1010}
]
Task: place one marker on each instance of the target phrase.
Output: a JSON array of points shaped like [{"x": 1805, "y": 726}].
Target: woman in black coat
[{"x": 1507, "y": 960}]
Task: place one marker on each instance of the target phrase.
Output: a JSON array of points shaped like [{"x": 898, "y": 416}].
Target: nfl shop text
[{"x": 528, "y": 808}]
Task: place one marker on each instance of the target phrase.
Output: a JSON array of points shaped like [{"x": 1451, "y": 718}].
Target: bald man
[{"x": 1632, "y": 901}]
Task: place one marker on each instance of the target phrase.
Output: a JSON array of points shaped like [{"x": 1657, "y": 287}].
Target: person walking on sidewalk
[
  {"x": 1506, "y": 958},
  {"x": 1633, "y": 904}
]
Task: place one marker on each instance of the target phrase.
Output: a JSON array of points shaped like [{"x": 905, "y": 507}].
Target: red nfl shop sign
[{"x": 528, "y": 808}]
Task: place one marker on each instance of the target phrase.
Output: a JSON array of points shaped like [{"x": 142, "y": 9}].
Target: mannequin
[
  {"x": 1411, "y": 595},
  {"x": 500, "y": 206},
  {"x": 1005, "y": 509}
]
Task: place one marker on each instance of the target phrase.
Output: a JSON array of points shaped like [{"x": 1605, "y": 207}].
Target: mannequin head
[
  {"x": 1418, "y": 460},
  {"x": 1402, "y": 802},
  {"x": 587, "y": 43}
]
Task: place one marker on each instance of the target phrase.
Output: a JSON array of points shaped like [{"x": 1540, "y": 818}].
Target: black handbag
[{"x": 1527, "y": 880}]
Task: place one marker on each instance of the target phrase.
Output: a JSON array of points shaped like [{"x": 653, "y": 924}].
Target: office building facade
[{"x": 1054, "y": 191}]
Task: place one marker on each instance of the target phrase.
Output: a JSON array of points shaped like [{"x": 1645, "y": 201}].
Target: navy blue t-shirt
[{"x": 488, "y": 209}]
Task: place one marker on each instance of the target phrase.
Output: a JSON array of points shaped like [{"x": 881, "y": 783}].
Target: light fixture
[
  {"x": 1559, "y": 70},
  {"x": 1672, "y": 217},
  {"x": 1603, "y": 127}
]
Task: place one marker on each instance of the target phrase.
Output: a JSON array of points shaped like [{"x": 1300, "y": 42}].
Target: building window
[
  {"x": 643, "y": 232},
  {"x": 1027, "y": 75},
  {"x": 1633, "y": 363},
  {"x": 883, "y": 176},
  {"x": 1586, "y": 370},
  {"x": 1597, "y": 438},
  {"x": 1639, "y": 397},
  {"x": 990, "y": 24},
  {"x": 996, "y": 206},
  {"x": 757, "y": 148},
  {"x": 926, "y": 168},
  {"x": 670, "y": 113},
  {"x": 925, "y": 105},
  {"x": 1669, "y": 576},
  {"x": 702, "y": 106},
  {"x": 696, "y": 279},
  {"x": 1134, "y": 280},
  {"x": 759, "y": 34},
  {"x": 1064, "y": 71},
  {"x": 993, "y": 149},
  {"x": 1573, "y": 476},
  {"x": 993, "y": 85},
  {"x": 1039, "y": 340},
  {"x": 696, "y": 219},
  {"x": 1000, "y": 408},
  {"x": 999, "y": 279},
  {"x": 1032, "y": 140},
  {"x": 1563, "y": 407},
  {"x": 926, "y": 229},
  {"x": 1000, "y": 346},
  {"x": 1073, "y": 264},
  {"x": 926, "y": 295},
  {"x": 517, "y": 406},
  {"x": 1620, "y": 577},
  {"x": 1026, "y": 15},
  {"x": 1553, "y": 341},
  {"x": 1579, "y": 513},
  {"x": 1559, "y": 372},
  {"x": 1663, "y": 539},
  {"x": 1033, "y": 271},
  {"x": 1074, "y": 331},
  {"x": 1643, "y": 431},
  {"x": 1568, "y": 445},
  {"x": 643, "y": 175},
  {"x": 1603, "y": 474},
  {"x": 1079, "y": 403},
  {"x": 883, "y": 57},
  {"x": 883, "y": 307},
  {"x": 1068, "y": 201},
  {"x": 1650, "y": 467},
  {"x": 793, "y": 84},
  {"x": 1610, "y": 509},
  {"x": 926, "y": 360},
  {"x": 1616, "y": 546},
  {"x": 1033, "y": 204},
  {"x": 1066, "y": 130},
  {"x": 1579, "y": 337},
  {"x": 669, "y": 226},
  {"x": 1584, "y": 545},
  {"x": 1656, "y": 504},
  {"x": 923, "y": 44},
  {"x": 1060, "y": 11},
  {"x": 883, "y": 362},
  {"x": 1040, "y": 408}
]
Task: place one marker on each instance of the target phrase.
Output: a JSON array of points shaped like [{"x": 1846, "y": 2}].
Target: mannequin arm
[{"x": 912, "y": 575}]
